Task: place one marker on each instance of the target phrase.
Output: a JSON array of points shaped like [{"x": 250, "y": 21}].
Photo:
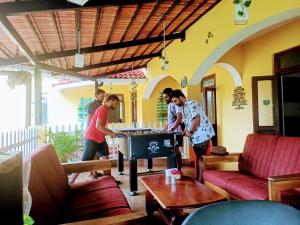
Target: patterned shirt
[
  {"x": 205, "y": 131},
  {"x": 173, "y": 111}
]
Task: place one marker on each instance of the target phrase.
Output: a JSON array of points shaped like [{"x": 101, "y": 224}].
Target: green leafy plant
[
  {"x": 243, "y": 4},
  {"x": 65, "y": 143},
  {"x": 27, "y": 220},
  {"x": 162, "y": 109}
]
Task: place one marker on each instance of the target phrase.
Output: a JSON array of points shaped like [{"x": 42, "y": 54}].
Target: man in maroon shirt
[{"x": 95, "y": 134}]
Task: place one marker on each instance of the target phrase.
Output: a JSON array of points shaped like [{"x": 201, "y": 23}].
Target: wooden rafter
[
  {"x": 170, "y": 9},
  {"x": 56, "y": 23},
  {"x": 14, "y": 36},
  {"x": 29, "y": 7},
  {"x": 146, "y": 21},
  {"x": 202, "y": 14},
  {"x": 47, "y": 56},
  {"x": 177, "y": 16},
  {"x": 120, "y": 61},
  {"x": 54, "y": 69},
  {"x": 95, "y": 33},
  {"x": 108, "y": 47},
  {"x": 190, "y": 15}
]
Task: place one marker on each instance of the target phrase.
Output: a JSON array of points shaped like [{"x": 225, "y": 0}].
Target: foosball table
[{"x": 137, "y": 144}]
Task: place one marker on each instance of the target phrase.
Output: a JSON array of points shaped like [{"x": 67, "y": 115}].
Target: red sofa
[
  {"x": 268, "y": 168},
  {"x": 55, "y": 201}
]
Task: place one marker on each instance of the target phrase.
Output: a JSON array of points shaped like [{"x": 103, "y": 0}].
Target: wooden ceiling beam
[
  {"x": 127, "y": 44},
  {"x": 14, "y": 36},
  {"x": 29, "y": 7},
  {"x": 13, "y": 61},
  {"x": 111, "y": 63},
  {"x": 54, "y": 69},
  {"x": 108, "y": 47},
  {"x": 103, "y": 75}
]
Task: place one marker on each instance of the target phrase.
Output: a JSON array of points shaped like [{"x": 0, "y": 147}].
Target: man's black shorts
[{"x": 90, "y": 148}]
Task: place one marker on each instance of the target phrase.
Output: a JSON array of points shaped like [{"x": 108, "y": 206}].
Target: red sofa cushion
[
  {"x": 219, "y": 178},
  {"x": 286, "y": 157},
  {"x": 257, "y": 154},
  {"x": 248, "y": 187},
  {"x": 91, "y": 202},
  {"x": 47, "y": 184}
]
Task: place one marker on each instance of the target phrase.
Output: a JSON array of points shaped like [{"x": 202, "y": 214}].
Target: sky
[{"x": 12, "y": 112}]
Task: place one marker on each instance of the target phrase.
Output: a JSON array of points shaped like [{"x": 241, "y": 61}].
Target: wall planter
[{"x": 241, "y": 11}]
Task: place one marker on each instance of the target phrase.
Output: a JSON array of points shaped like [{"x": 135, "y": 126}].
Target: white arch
[
  {"x": 152, "y": 85},
  {"x": 233, "y": 72},
  {"x": 237, "y": 38}
]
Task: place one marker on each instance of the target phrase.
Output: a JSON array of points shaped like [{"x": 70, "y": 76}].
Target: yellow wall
[
  {"x": 149, "y": 106},
  {"x": 253, "y": 58},
  {"x": 186, "y": 57},
  {"x": 62, "y": 105}
]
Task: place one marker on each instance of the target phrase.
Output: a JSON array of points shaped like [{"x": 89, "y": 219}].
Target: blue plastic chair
[{"x": 250, "y": 212}]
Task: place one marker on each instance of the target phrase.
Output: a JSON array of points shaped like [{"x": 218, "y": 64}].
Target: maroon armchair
[{"x": 55, "y": 201}]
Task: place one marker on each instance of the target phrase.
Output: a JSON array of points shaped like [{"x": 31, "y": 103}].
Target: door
[
  {"x": 211, "y": 109},
  {"x": 265, "y": 105},
  {"x": 290, "y": 104}
]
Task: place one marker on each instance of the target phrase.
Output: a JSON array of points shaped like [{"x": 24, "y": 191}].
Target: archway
[{"x": 237, "y": 38}]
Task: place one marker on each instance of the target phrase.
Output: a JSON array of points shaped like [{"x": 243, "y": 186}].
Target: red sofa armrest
[
  {"x": 276, "y": 184},
  {"x": 86, "y": 166}
]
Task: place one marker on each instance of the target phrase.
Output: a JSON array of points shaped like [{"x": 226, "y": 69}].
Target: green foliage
[
  {"x": 27, "y": 220},
  {"x": 162, "y": 109},
  {"x": 243, "y": 3},
  {"x": 65, "y": 143}
]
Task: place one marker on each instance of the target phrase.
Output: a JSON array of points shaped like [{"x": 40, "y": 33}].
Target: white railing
[
  {"x": 26, "y": 140},
  {"x": 19, "y": 141}
]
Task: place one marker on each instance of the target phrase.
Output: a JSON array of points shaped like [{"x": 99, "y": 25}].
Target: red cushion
[
  {"x": 248, "y": 187},
  {"x": 257, "y": 154},
  {"x": 286, "y": 158},
  {"x": 92, "y": 185},
  {"x": 219, "y": 178},
  {"x": 84, "y": 204}
]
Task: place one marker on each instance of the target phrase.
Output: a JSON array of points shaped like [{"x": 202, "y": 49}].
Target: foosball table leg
[
  {"x": 133, "y": 176},
  {"x": 150, "y": 165},
  {"x": 120, "y": 163}
]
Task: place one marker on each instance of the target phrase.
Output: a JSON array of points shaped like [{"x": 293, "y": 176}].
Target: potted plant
[{"x": 241, "y": 11}]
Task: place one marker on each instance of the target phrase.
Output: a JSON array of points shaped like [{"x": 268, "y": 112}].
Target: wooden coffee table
[{"x": 170, "y": 199}]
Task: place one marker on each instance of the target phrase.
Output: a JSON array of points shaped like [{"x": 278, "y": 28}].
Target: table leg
[
  {"x": 149, "y": 204},
  {"x": 133, "y": 176},
  {"x": 120, "y": 163},
  {"x": 150, "y": 164}
]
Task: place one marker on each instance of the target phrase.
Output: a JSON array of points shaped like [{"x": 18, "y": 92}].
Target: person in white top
[
  {"x": 198, "y": 128},
  {"x": 174, "y": 123}
]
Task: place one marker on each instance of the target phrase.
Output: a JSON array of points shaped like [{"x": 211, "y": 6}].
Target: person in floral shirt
[{"x": 197, "y": 127}]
